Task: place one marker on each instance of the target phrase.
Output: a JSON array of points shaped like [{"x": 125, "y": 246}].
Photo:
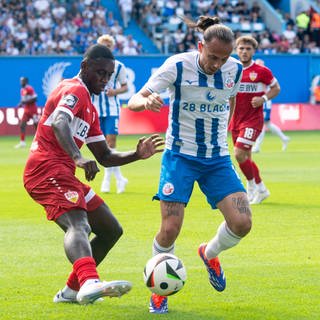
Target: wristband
[{"x": 265, "y": 98}]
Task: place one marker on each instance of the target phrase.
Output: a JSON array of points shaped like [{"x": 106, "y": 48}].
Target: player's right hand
[
  {"x": 90, "y": 167},
  {"x": 153, "y": 102}
]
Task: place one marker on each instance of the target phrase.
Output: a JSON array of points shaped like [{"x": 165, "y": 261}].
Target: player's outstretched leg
[
  {"x": 216, "y": 274},
  {"x": 158, "y": 304},
  {"x": 93, "y": 290}
]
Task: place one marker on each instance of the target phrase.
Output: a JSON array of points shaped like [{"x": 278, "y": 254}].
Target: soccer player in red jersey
[
  {"x": 69, "y": 120},
  {"x": 247, "y": 121},
  {"x": 28, "y": 102}
]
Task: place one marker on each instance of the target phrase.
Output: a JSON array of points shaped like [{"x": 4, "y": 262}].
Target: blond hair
[
  {"x": 106, "y": 40},
  {"x": 247, "y": 40}
]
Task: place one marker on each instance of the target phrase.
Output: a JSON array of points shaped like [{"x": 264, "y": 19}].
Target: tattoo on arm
[{"x": 241, "y": 204}]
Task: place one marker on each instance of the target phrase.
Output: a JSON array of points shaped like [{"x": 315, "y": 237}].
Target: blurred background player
[
  {"x": 30, "y": 111},
  {"x": 267, "y": 106},
  {"x": 247, "y": 121},
  {"x": 108, "y": 106}
]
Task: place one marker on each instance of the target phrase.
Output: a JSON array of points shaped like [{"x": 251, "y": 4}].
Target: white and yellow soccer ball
[{"x": 165, "y": 274}]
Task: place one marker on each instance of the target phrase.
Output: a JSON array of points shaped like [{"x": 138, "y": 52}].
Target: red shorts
[
  {"x": 59, "y": 191},
  {"x": 245, "y": 137},
  {"x": 30, "y": 112}
]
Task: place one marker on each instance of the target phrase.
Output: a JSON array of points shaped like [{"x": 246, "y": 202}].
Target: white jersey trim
[
  {"x": 89, "y": 195},
  {"x": 95, "y": 139}
]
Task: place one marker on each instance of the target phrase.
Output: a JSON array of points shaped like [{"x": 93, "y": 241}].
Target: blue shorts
[
  {"x": 216, "y": 178},
  {"x": 109, "y": 125}
]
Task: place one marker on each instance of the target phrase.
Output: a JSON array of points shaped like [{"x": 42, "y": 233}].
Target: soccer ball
[{"x": 164, "y": 274}]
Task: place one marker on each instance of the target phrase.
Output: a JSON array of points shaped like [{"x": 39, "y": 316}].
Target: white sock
[
  {"x": 276, "y": 130},
  {"x": 156, "y": 248},
  {"x": 107, "y": 174},
  {"x": 251, "y": 184},
  {"x": 223, "y": 240},
  {"x": 69, "y": 293},
  {"x": 260, "y": 139},
  {"x": 261, "y": 187},
  {"x": 117, "y": 173}
]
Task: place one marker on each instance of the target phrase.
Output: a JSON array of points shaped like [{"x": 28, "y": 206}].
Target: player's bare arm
[
  {"x": 145, "y": 100},
  {"x": 62, "y": 131},
  {"x": 114, "y": 92},
  {"x": 272, "y": 93},
  {"x": 146, "y": 148}
]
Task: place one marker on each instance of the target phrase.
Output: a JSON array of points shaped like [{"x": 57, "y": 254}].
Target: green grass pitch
[{"x": 272, "y": 274}]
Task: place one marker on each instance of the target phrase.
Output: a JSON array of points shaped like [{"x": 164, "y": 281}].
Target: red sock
[
  {"x": 22, "y": 136},
  {"x": 85, "y": 269},
  {"x": 256, "y": 173},
  {"x": 247, "y": 169},
  {"x": 73, "y": 281}
]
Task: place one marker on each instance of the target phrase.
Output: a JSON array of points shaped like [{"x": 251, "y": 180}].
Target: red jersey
[
  {"x": 254, "y": 82},
  {"x": 72, "y": 97},
  {"x": 26, "y": 93}
]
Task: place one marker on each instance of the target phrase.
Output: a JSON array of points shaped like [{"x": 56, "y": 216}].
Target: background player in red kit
[
  {"x": 69, "y": 120},
  {"x": 247, "y": 121},
  {"x": 28, "y": 102}
]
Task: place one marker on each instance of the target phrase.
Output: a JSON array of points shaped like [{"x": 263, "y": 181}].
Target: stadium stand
[{"x": 44, "y": 27}]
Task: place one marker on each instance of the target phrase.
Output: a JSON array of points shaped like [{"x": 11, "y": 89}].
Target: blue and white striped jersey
[
  {"x": 199, "y": 104},
  {"x": 110, "y": 106}
]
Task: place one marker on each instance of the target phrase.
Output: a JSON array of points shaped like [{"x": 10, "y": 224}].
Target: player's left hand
[{"x": 147, "y": 147}]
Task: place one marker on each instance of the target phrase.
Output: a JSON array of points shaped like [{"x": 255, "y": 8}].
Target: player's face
[
  {"x": 245, "y": 52},
  {"x": 213, "y": 55},
  {"x": 97, "y": 73}
]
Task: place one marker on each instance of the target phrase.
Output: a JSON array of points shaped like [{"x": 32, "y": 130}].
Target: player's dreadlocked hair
[
  {"x": 98, "y": 51},
  {"x": 211, "y": 28}
]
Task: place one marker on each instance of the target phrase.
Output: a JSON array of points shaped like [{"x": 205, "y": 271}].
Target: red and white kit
[
  {"x": 30, "y": 108},
  {"x": 49, "y": 175},
  {"x": 247, "y": 121}
]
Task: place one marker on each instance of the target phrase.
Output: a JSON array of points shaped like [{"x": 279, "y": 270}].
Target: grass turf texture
[{"x": 272, "y": 274}]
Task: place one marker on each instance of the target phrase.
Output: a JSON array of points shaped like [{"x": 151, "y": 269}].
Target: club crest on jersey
[
  {"x": 168, "y": 189},
  {"x": 69, "y": 101},
  {"x": 210, "y": 96},
  {"x": 72, "y": 196},
  {"x": 229, "y": 83},
  {"x": 253, "y": 76}
]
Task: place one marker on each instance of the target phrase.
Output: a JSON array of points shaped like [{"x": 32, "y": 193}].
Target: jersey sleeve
[
  {"x": 268, "y": 77},
  {"x": 95, "y": 134},
  {"x": 163, "y": 77},
  {"x": 71, "y": 100}
]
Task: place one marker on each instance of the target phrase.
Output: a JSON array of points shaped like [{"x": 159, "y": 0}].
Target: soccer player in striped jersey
[
  {"x": 202, "y": 88},
  {"x": 258, "y": 85},
  {"x": 108, "y": 106}
]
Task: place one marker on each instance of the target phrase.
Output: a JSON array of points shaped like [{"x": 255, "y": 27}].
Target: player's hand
[
  {"x": 153, "y": 102},
  {"x": 111, "y": 92},
  {"x": 147, "y": 147},
  {"x": 257, "y": 102},
  {"x": 90, "y": 167}
]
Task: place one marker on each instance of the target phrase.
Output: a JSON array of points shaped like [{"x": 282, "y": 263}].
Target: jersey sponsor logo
[
  {"x": 229, "y": 83},
  {"x": 80, "y": 128},
  {"x": 210, "y": 96},
  {"x": 248, "y": 87},
  {"x": 253, "y": 75},
  {"x": 69, "y": 100},
  {"x": 72, "y": 196},
  {"x": 168, "y": 189}
]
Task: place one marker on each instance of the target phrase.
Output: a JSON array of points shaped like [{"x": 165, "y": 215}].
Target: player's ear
[{"x": 200, "y": 46}]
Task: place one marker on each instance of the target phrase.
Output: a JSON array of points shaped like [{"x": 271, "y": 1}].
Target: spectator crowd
[{"x": 69, "y": 27}]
